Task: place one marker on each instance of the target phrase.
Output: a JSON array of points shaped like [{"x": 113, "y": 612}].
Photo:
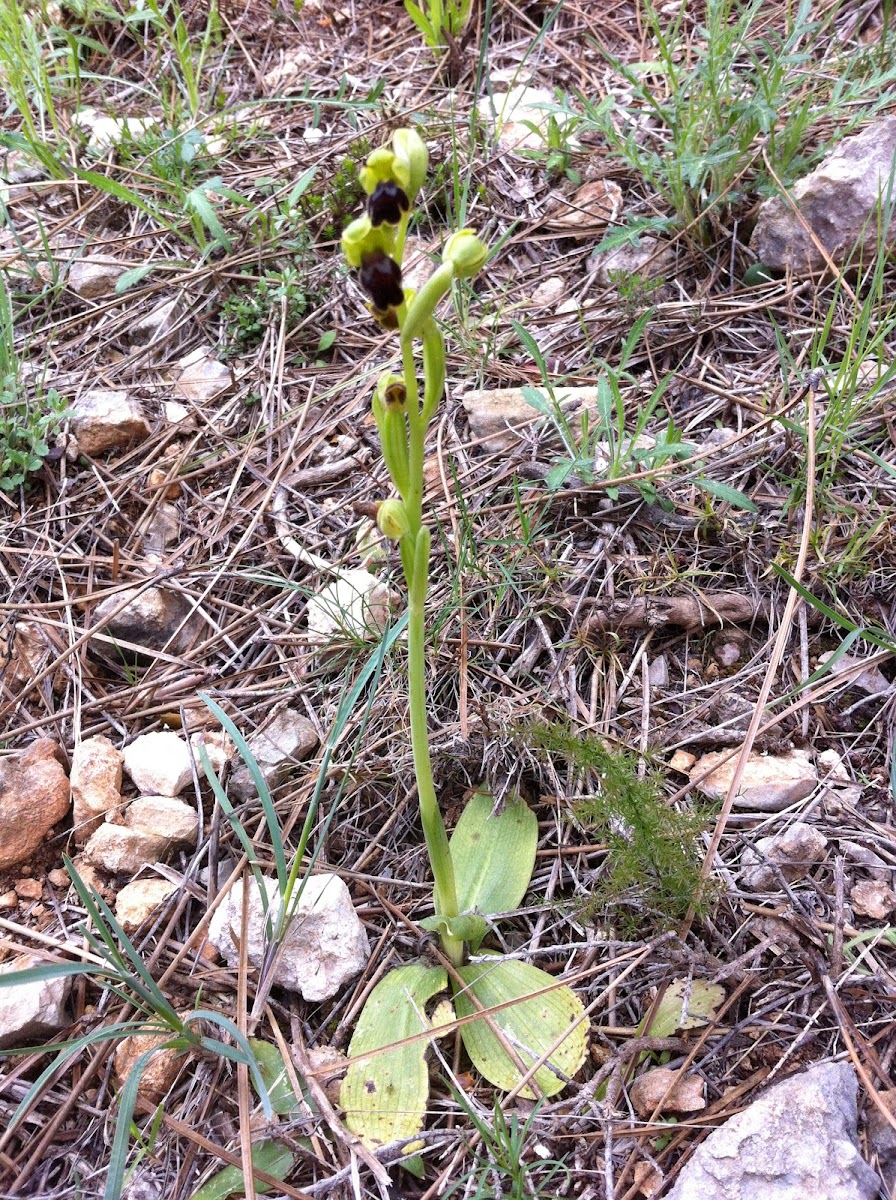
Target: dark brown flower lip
[
  {"x": 387, "y": 203},
  {"x": 380, "y": 277},
  {"x": 395, "y": 395}
]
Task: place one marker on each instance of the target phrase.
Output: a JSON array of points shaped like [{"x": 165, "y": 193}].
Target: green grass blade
[
  {"x": 261, "y": 787},
  {"x": 246, "y": 1056}
]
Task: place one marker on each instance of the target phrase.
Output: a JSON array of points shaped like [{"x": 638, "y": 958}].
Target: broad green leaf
[
  {"x": 274, "y": 1158},
  {"x": 384, "y": 1097},
  {"x": 724, "y": 491},
  {"x": 685, "y": 1005},
  {"x": 530, "y": 1027},
  {"x": 276, "y": 1078},
  {"x": 493, "y": 854}
]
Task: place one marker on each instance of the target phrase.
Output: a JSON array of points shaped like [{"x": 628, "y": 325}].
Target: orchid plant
[{"x": 521, "y": 1029}]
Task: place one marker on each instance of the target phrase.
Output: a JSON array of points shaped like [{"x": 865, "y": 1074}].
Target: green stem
[{"x": 416, "y": 556}]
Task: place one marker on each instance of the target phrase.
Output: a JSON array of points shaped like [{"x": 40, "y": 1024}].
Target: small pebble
[
  {"x": 59, "y": 878},
  {"x": 29, "y": 889},
  {"x": 8, "y": 900}
]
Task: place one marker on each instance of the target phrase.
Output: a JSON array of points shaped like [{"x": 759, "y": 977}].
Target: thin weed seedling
[
  {"x": 27, "y": 423},
  {"x": 502, "y": 1165},
  {"x": 117, "y": 967},
  {"x": 602, "y": 444},
  {"x": 439, "y": 20}
]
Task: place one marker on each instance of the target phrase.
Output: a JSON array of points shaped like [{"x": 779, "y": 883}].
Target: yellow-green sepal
[
  {"x": 411, "y": 159},
  {"x": 384, "y": 1096},
  {"x": 493, "y": 854},
  {"x": 361, "y": 238},
  {"x": 377, "y": 169},
  {"x": 530, "y": 1026}
]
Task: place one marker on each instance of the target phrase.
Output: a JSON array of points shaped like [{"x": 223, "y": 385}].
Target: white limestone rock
[
  {"x": 839, "y": 202},
  {"x": 790, "y": 854},
  {"x": 796, "y": 1141},
  {"x": 323, "y": 948},
  {"x": 166, "y": 817},
  {"x": 152, "y": 619},
  {"x": 122, "y": 850},
  {"x": 277, "y": 749},
  {"x": 515, "y": 111},
  {"x": 96, "y": 784},
  {"x": 137, "y": 901},
  {"x": 201, "y": 377},
  {"x": 104, "y": 133},
  {"x": 355, "y": 605},
  {"x": 159, "y": 763},
  {"x": 94, "y": 275},
  {"x": 30, "y": 1012},
  {"x": 770, "y": 782},
  {"x": 501, "y": 417},
  {"x": 105, "y": 419},
  {"x": 650, "y": 259},
  {"x": 871, "y": 680}
]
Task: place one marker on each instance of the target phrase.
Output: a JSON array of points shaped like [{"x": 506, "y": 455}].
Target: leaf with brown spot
[{"x": 385, "y": 1097}]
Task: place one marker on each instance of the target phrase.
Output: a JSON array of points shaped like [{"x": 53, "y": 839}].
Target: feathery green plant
[{"x": 653, "y": 851}]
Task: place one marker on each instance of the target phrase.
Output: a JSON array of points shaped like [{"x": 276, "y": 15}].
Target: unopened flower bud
[
  {"x": 465, "y": 252},
  {"x": 411, "y": 160},
  {"x": 392, "y": 519}
]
